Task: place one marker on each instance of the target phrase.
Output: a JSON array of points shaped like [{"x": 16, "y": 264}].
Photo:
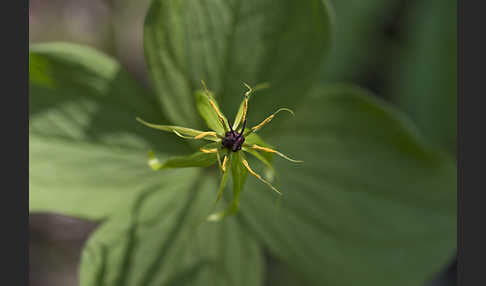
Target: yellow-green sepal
[
  {"x": 224, "y": 180},
  {"x": 186, "y": 133},
  {"x": 238, "y": 174},
  {"x": 208, "y": 113},
  {"x": 197, "y": 159}
]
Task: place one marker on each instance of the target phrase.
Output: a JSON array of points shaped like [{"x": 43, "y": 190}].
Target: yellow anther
[
  {"x": 250, "y": 170},
  {"x": 204, "y": 134},
  {"x": 223, "y": 166},
  {"x": 265, "y": 149},
  {"x": 209, "y": 151},
  {"x": 247, "y": 166},
  {"x": 269, "y": 150},
  {"x": 268, "y": 119},
  {"x": 216, "y": 109},
  {"x": 214, "y": 106},
  {"x": 245, "y": 109},
  {"x": 263, "y": 123}
]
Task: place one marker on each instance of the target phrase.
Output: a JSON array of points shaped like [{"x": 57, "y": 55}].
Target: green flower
[
  {"x": 374, "y": 203},
  {"x": 228, "y": 142}
]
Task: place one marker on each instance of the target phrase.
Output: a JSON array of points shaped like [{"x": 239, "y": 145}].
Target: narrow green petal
[
  {"x": 186, "y": 133},
  {"x": 220, "y": 215},
  {"x": 224, "y": 180},
  {"x": 210, "y": 111},
  {"x": 197, "y": 159},
  {"x": 238, "y": 173}
]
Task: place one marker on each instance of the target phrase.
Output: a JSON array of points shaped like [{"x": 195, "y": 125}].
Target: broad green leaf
[
  {"x": 228, "y": 42},
  {"x": 425, "y": 71},
  {"x": 87, "y": 154},
  {"x": 162, "y": 242},
  {"x": 361, "y": 40},
  {"x": 208, "y": 113},
  {"x": 372, "y": 204}
]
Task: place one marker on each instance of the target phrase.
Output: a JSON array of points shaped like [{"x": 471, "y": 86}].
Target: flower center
[{"x": 233, "y": 140}]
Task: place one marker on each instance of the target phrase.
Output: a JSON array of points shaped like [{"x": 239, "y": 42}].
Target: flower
[{"x": 228, "y": 142}]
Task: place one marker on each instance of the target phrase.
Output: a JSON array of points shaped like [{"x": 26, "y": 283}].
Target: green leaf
[
  {"x": 360, "y": 45},
  {"x": 162, "y": 242},
  {"x": 372, "y": 204},
  {"x": 424, "y": 82},
  {"x": 227, "y": 42},
  {"x": 87, "y": 154},
  {"x": 208, "y": 113}
]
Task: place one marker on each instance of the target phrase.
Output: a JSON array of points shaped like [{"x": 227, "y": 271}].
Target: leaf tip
[{"x": 153, "y": 162}]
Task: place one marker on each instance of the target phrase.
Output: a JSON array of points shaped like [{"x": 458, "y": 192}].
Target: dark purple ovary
[{"x": 233, "y": 140}]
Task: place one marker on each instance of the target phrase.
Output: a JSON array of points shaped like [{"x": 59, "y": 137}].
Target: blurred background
[{"x": 377, "y": 42}]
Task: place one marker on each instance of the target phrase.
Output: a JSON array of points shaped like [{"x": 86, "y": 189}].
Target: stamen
[
  {"x": 263, "y": 123},
  {"x": 245, "y": 163},
  {"x": 209, "y": 151},
  {"x": 259, "y": 157},
  {"x": 223, "y": 167},
  {"x": 220, "y": 116},
  {"x": 204, "y": 134},
  {"x": 268, "y": 119},
  {"x": 245, "y": 102},
  {"x": 245, "y": 108},
  {"x": 269, "y": 150}
]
